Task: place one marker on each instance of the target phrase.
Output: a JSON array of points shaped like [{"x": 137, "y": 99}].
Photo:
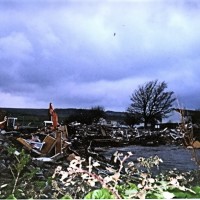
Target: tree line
[{"x": 150, "y": 103}]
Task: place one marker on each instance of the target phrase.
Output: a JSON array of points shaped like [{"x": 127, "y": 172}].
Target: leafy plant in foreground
[
  {"x": 16, "y": 168},
  {"x": 127, "y": 182},
  {"x": 20, "y": 187},
  {"x": 87, "y": 178}
]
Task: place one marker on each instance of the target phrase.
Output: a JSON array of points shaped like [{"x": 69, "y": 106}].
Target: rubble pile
[
  {"x": 102, "y": 135},
  {"x": 9, "y": 150},
  {"x": 44, "y": 151},
  {"x": 80, "y": 138},
  {"x": 56, "y": 144},
  {"x": 49, "y": 147}
]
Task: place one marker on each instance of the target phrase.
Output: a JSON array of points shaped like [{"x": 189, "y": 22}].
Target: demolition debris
[{"x": 54, "y": 141}]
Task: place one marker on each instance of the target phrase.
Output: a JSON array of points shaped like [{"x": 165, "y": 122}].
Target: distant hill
[{"x": 27, "y": 115}]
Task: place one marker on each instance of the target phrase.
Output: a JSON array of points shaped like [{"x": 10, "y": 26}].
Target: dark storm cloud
[{"x": 81, "y": 53}]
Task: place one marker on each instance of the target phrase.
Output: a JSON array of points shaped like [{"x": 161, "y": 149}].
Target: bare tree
[
  {"x": 151, "y": 103},
  {"x": 97, "y": 112}
]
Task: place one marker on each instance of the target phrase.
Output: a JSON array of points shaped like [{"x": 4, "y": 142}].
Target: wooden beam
[
  {"x": 49, "y": 143},
  {"x": 58, "y": 145}
]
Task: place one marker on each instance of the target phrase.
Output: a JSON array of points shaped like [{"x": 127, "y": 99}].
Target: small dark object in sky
[{"x": 114, "y": 34}]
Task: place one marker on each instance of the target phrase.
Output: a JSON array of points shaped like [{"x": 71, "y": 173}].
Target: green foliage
[
  {"x": 127, "y": 190},
  {"x": 39, "y": 184},
  {"x": 22, "y": 176},
  {"x": 194, "y": 193},
  {"x": 96, "y": 113},
  {"x": 11, "y": 150},
  {"x": 12, "y": 196},
  {"x": 22, "y": 159},
  {"x": 29, "y": 175},
  {"x": 158, "y": 189},
  {"x": 196, "y": 189},
  {"x": 150, "y": 162},
  {"x": 133, "y": 183},
  {"x": 81, "y": 179},
  {"x": 82, "y": 117},
  {"x": 17, "y": 167},
  {"x": 78, "y": 173},
  {"x": 87, "y": 116},
  {"x": 99, "y": 194},
  {"x": 131, "y": 119}
]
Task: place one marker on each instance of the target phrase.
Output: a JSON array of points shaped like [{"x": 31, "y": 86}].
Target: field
[{"x": 37, "y": 116}]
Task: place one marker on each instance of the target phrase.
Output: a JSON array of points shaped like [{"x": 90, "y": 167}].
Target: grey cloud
[{"x": 68, "y": 52}]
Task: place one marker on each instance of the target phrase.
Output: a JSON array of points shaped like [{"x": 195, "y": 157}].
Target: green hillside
[{"x": 36, "y": 116}]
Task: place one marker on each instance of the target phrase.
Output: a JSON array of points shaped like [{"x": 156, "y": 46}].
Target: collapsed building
[{"x": 54, "y": 140}]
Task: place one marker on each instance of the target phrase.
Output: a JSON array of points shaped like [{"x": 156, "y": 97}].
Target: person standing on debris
[
  {"x": 50, "y": 112},
  {"x": 53, "y": 116}
]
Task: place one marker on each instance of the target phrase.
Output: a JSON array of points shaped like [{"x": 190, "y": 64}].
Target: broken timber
[
  {"x": 27, "y": 145},
  {"x": 58, "y": 145},
  {"x": 49, "y": 143}
]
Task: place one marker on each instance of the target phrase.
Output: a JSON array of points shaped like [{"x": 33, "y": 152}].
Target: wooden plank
[
  {"x": 26, "y": 144},
  {"x": 57, "y": 156},
  {"x": 49, "y": 143},
  {"x": 64, "y": 131},
  {"x": 103, "y": 132},
  {"x": 34, "y": 150},
  {"x": 58, "y": 145}
]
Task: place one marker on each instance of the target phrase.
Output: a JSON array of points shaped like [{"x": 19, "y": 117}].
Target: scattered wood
[
  {"x": 49, "y": 143},
  {"x": 58, "y": 144}
]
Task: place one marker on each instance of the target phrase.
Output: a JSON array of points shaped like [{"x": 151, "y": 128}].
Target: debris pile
[
  {"x": 56, "y": 144},
  {"x": 102, "y": 135},
  {"x": 46, "y": 149}
]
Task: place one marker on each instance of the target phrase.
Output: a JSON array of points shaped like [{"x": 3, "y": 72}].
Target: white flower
[
  {"x": 96, "y": 164},
  {"x": 107, "y": 179},
  {"x": 77, "y": 157},
  {"x": 151, "y": 180},
  {"x": 91, "y": 183},
  {"x": 116, "y": 176},
  {"x": 64, "y": 175},
  {"x": 110, "y": 169},
  {"x": 84, "y": 176}
]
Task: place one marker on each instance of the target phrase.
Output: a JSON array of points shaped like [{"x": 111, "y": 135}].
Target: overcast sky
[{"x": 85, "y": 53}]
